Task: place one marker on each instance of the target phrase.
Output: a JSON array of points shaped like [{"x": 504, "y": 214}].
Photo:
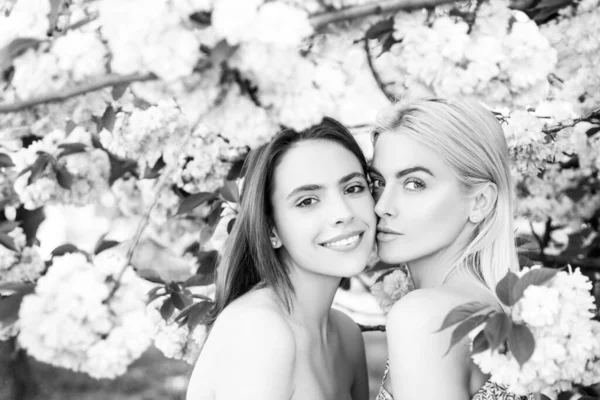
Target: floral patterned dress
[{"x": 489, "y": 391}]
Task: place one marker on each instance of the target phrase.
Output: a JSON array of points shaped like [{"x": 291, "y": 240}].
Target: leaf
[
  {"x": 387, "y": 44},
  {"x": 167, "y": 309},
  {"x": 197, "y": 280},
  {"x": 538, "y": 277},
  {"x": 32, "y": 219},
  {"x": 71, "y": 148},
  {"x": 64, "y": 177},
  {"x": 8, "y": 226},
  {"x": 180, "y": 301},
  {"x": 69, "y": 127},
  {"x": 65, "y": 249},
  {"x": 461, "y": 313},
  {"x": 208, "y": 261},
  {"x": 108, "y": 119},
  {"x": 377, "y": 30},
  {"x": 206, "y": 233},
  {"x": 195, "y": 200},
  {"x": 105, "y": 245},
  {"x": 203, "y": 18},
  {"x": 236, "y": 170},
  {"x": 55, "y": 8},
  {"x": 118, "y": 90},
  {"x": 9, "y": 308},
  {"x": 119, "y": 167},
  {"x": 497, "y": 328},
  {"x": 480, "y": 343},
  {"x": 230, "y": 225},
  {"x": 229, "y": 191},
  {"x": 465, "y": 327},
  {"x": 382, "y": 276},
  {"x": 5, "y": 161},
  {"x": 150, "y": 275},
  {"x": 198, "y": 314},
  {"x": 592, "y": 131},
  {"x": 154, "y": 172},
  {"x": 37, "y": 169},
  {"x": 14, "y": 49},
  {"x": 8, "y": 242},
  {"x": 154, "y": 294},
  {"x": 221, "y": 52},
  {"x": 215, "y": 213},
  {"x": 16, "y": 287},
  {"x": 504, "y": 288},
  {"x": 521, "y": 343}
]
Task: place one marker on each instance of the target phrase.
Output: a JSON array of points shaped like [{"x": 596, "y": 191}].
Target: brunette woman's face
[
  {"x": 420, "y": 203},
  {"x": 322, "y": 209}
]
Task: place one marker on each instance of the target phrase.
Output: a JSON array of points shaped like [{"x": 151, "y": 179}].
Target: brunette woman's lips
[
  {"x": 385, "y": 234},
  {"x": 344, "y": 242}
]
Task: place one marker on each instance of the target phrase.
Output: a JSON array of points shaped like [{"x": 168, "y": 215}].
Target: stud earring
[
  {"x": 474, "y": 219},
  {"x": 274, "y": 243}
]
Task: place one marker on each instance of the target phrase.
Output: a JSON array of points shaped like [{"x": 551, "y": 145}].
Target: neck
[
  {"x": 313, "y": 298},
  {"x": 434, "y": 269}
]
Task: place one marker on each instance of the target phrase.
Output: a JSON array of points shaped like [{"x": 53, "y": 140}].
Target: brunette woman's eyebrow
[
  {"x": 314, "y": 187},
  {"x": 304, "y": 188}
]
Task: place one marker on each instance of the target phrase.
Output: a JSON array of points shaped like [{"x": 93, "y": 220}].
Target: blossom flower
[
  {"x": 173, "y": 340},
  {"x": 567, "y": 350},
  {"x": 393, "y": 286},
  {"x": 150, "y": 37},
  {"x": 143, "y": 134},
  {"x": 72, "y": 321},
  {"x": 81, "y": 54},
  {"x": 28, "y": 18},
  {"x": 90, "y": 171}
]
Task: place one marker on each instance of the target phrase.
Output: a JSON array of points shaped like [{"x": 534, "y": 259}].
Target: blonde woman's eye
[
  {"x": 377, "y": 183},
  {"x": 415, "y": 185},
  {"x": 354, "y": 189}
]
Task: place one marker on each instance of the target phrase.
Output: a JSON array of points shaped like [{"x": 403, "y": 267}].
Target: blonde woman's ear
[
  {"x": 484, "y": 202},
  {"x": 274, "y": 237}
]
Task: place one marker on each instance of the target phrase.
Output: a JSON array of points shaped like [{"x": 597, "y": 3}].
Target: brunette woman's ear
[
  {"x": 484, "y": 202},
  {"x": 274, "y": 238}
]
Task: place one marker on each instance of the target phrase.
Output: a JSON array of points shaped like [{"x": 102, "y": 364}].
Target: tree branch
[
  {"x": 319, "y": 21},
  {"x": 106, "y": 81},
  {"x": 584, "y": 263},
  {"x": 560, "y": 126},
  {"x": 375, "y": 73}
]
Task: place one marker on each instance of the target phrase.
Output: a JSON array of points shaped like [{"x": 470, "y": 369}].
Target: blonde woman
[{"x": 442, "y": 186}]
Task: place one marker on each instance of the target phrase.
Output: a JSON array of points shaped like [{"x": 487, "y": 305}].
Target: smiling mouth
[{"x": 344, "y": 243}]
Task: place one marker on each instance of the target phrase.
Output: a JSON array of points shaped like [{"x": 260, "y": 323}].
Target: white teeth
[{"x": 344, "y": 242}]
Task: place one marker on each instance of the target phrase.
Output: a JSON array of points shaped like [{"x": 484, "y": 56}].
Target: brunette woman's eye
[
  {"x": 377, "y": 184},
  {"x": 414, "y": 185},
  {"x": 306, "y": 202}
]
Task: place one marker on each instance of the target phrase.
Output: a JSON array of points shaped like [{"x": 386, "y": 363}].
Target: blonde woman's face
[{"x": 420, "y": 205}]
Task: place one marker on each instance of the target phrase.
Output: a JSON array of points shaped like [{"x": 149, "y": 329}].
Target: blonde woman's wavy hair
[{"x": 470, "y": 139}]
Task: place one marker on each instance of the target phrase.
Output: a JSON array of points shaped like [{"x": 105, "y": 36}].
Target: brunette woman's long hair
[{"x": 248, "y": 259}]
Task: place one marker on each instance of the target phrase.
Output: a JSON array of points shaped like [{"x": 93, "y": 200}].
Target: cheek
[{"x": 437, "y": 214}]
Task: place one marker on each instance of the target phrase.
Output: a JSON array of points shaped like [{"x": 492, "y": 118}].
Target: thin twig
[
  {"x": 371, "y": 328},
  {"x": 318, "y": 21},
  {"x": 560, "y": 126},
  {"x": 375, "y": 73},
  {"x": 105, "y": 81}
]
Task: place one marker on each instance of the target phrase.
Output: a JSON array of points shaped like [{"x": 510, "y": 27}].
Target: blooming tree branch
[
  {"x": 584, "y": 263},
  {"x": 377, "y": 7},
  {"x": 595, "y": 114},
  {"x": 106, "y": 81}
]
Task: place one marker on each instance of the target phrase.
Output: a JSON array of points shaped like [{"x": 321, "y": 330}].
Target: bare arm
[
  {"x": 419, "y": 367},
  {"x": 258, "y": 359}
]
